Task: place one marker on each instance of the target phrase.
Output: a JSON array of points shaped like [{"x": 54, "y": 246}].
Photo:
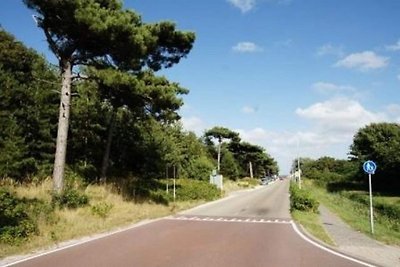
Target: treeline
[
  {"x": 379, "y": 142},
  {"x": 120, "y": 125}
]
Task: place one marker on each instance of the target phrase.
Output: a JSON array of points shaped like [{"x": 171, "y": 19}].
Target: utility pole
[{"x": 251, "y": 170}]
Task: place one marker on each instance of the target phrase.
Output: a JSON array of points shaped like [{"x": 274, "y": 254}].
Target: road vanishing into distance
[{"x": 249, "y": 228}]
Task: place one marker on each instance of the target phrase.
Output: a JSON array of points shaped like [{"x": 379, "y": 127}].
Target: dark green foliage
[
  {"x": 70, "y": 198},
  {"x": 328, "y": 169},
  {"x": 379, "y": 142},
  {"x": 302, "y": 200},
  {"x": 244, "y": 153},
  {"x": 200, "y": 168},
  {"x": 229, "y": 166},
  {"x": 27, "y": 108},
  {"x": 15, "y": 222}
]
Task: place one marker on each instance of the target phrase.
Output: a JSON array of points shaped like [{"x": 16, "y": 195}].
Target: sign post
[{"x": 370, "y": 168}]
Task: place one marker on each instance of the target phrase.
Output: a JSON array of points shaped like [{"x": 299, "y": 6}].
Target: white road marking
[
  {"x": 234, "y": 219},
  {"x": 328, "y": 249}
]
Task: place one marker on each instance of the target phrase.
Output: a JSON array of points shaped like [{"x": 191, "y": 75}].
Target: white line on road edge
[
  {"x": 328, "y": 249},
  {"x": 80, "y": 242}
]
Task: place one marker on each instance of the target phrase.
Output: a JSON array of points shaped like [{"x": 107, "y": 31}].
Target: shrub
[
  {"x": 302, "y": 200},
  {"x": 196, "y": 190},
  {"x": 70, "y": 198},
  {"x": 101, "y": 209},
  {"x": 15, "y": 222},
  {"x": 200, "y": 168}
]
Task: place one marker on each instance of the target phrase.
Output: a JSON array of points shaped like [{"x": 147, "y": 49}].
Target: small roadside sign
[{"x": 369, "y": 167}]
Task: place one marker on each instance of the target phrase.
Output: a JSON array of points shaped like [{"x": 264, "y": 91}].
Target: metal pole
[{"x": 370, "y": 205}]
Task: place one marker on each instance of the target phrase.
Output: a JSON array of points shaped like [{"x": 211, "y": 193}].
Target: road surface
[{"x": 251, "y": 228}]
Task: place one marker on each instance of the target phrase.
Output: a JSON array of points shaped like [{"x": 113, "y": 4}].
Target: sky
[{"x": 297, "y": 77}]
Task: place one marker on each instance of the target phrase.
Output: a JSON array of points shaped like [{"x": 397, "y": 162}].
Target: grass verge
[
  {"x": 312, "y": 223},
  {"x": 356, "y": 214}
]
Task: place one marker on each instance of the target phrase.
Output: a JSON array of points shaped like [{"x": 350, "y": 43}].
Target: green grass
[
  {"x": 312, "y": 223},
  {"x": 356, "y": 214}
]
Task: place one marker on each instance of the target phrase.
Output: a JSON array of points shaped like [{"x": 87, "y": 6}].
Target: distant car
[{"x": 266, "y": 180}]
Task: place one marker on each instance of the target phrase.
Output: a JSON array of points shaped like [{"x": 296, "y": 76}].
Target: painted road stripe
[
  {"x": 234, "y": 219},
  {"x": 328, "y": 249}
]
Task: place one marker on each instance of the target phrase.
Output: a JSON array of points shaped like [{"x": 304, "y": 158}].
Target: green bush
[
  {"x": 302, "y": 200},
  {"x": 70, "y": 198},
  {"x": 196, "y": 190},
  {"x": 200, "y": 168},
  {"x": 101, "y": 209},
  {"x": 15, "y": 222}
]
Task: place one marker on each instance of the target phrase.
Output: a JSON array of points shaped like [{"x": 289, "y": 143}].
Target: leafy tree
[
  {"x": 220, "y": 133},
  {"x": 244, "y": 153},
  {"x": 379, "y": 142},
  {"x": 144, "y": 95},
  {"x": 229, "y": 165},
  {"x": 27, "y": 106},
  {"x": 101, "y": 33}
]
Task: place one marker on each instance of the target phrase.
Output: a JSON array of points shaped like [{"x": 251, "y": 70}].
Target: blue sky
[{"x": 280, "y": 72}]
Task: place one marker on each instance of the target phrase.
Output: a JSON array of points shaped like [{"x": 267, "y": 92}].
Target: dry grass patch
[{"x": 106, "y": 211}]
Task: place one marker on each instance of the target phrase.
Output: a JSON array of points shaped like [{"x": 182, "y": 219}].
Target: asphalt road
[{"x": 251, "y": 228}]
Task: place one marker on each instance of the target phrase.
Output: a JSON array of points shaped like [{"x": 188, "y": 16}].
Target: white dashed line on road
[{"x": 231, "y": 219}]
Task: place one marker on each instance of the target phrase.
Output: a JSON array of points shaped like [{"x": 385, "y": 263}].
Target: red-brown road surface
[{"x": 243, "y": 230}]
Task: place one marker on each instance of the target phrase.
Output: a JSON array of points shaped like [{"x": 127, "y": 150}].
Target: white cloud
[
  {"x": 330, "y": 88},
  {"x": 328, "y": 49},
  {"x": 395, "y": 47},
  {"x": 243, "y": 5},
  {"x": 341, "y": 116},
  {"x": 246, "y": 47},
  {"x": 194, "y": 124},
  {"x": 248, "y": 110},
  {"x": 364, "y": 61}
]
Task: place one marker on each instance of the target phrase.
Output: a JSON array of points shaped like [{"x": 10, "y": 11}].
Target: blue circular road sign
[{"x": 369, "y": 167}]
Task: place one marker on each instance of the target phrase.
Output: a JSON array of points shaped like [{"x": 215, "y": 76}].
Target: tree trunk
[
  {"x": 63, "y": 124},
  {"x": 106, "y": 156}
]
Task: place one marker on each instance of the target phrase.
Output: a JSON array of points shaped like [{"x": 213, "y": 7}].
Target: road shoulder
[{"x": 354, "y": 243}]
